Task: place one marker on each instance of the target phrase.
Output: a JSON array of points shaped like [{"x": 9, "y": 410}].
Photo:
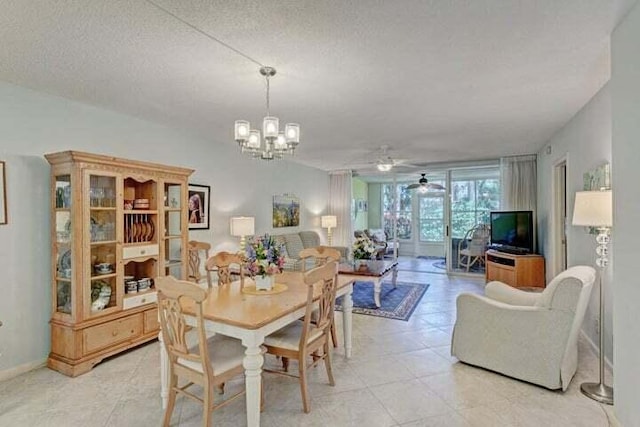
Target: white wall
[
  {"x": 625, "y": 88},
  {"x": 585, "y": 141},
  {"x": 34, "y": 124}
]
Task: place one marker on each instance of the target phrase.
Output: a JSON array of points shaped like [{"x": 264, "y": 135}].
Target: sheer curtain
[
  {"x": 340, "y": 206},
  {"x": 519, "y": 183}
]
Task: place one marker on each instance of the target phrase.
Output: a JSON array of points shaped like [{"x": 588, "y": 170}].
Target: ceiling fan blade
[
  {"x": 435, "y": 186},
  {"x": 412, "y": 186}
]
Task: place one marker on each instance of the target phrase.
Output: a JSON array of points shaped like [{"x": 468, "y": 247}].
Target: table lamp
[
  {"x": 242, "y": 226},
  {"x": 329, "y": 222},
  {"x": 594, "y": 209}
]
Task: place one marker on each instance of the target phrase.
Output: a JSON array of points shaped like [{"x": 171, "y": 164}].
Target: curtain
[
  {"x": 519, "y": 183},
  {"x": 340, "y": 196}
]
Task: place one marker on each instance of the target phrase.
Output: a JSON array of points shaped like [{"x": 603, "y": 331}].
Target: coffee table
[{"x": 371, "y": 271}]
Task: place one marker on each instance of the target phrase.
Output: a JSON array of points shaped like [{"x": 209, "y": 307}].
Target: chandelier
[{"x": 275, "y": 143}]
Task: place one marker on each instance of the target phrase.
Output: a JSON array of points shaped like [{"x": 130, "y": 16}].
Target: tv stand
[{"x": 515, "y": 270}]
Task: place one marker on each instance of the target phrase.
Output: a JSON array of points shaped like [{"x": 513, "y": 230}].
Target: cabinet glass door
[
  {"x": 62, "y": 247},
  {"x": 174, "y": 221},
  {"x": 100, "y": 226}
]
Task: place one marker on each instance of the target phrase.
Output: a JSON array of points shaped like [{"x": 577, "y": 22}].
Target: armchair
[{"x": 529, "y": 336}]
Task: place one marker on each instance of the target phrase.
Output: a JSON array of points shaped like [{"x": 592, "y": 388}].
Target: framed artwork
[
  {"x": 286, "y": 211},
  {"x": 3, "y": 195},
  {"x": 199, "y": 199}
]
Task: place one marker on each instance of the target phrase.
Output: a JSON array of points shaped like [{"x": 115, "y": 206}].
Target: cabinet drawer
[
  {"x": 140, "y": 251},
  {"x": 151, "y": 322},
  {"x": 138, "y": 300},
  {"x": 114, "y": 332}
]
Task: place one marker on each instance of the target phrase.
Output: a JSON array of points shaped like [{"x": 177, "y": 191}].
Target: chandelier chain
[
  {"x": 204, "y": 33},
  {"x": 268, "y": 99}
]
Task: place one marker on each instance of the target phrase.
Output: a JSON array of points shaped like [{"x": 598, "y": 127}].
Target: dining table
[{"x": 229, "y": 311}]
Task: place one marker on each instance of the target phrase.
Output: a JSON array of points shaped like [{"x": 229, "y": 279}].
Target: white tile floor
[{"x": 401, "y": 374}]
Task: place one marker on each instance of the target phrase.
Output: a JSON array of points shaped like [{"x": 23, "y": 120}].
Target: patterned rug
[{"x": 397, "y": 303}]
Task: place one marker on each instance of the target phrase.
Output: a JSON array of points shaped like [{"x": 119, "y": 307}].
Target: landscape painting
[{"x": 286, "y": 211}]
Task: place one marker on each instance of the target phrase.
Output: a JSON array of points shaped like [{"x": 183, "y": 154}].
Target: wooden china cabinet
[{"x": 115, "y": 226}]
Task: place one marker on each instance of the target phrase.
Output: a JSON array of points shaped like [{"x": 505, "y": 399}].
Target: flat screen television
[{"x": 512, "y": 231}]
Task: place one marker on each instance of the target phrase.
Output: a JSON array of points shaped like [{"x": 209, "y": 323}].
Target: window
[
  {"x": 471, "y": 202},
  {"x": 401, "y": 210},
  {"x": 432, "y": 217}
]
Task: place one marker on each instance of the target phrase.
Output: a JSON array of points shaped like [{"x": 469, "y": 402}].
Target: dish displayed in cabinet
[{"x": 139, "y": 228}]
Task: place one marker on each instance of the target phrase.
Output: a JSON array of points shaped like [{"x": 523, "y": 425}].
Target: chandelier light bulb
[
  {"x": 242, "y": 130},
  {"x": 270, "y": 127},
  {"x": 292, "y": 132},
  {"x": 281, "y": 142},
  {"x": 254, "y": 139}
]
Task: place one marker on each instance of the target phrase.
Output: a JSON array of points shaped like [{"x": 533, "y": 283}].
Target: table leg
[
  {"x": 347, "y": 316},
  {"x": 377, "y": 285},
  {"x": 394, "y": 278},
  {"x": 252, "y": 363},
  {"x": 164, "y": 372}
]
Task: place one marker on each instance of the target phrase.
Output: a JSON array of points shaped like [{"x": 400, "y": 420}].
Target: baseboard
[
  {"x": 596, "y": 349},
  {"x": 21, "y": 369}
]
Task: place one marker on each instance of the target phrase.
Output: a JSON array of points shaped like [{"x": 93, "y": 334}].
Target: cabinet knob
[
  {"x": 142, "y": 252},
  {"x": 144, "y": 300},
  {"x": 114, "y": 333}
]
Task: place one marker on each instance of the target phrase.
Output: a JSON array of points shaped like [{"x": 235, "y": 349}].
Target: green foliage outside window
[
  {"x": 472, "y": 200},
  {"x": 401, "y": 209}
]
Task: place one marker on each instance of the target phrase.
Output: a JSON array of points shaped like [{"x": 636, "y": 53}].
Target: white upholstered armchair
[{"x": 525, "y": 335}]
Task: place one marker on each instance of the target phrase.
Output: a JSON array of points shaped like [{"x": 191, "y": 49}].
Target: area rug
[{"x": 397, "y": 303}]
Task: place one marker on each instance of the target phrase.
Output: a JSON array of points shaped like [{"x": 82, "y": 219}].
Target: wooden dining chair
[
  {"x": 304, "y": 338},
  {"x": 321, "y": 255},
  {"x": 195, "y": 260},
  {"x": 227, "y": 265},
  {"x": 209, "y": 363}
]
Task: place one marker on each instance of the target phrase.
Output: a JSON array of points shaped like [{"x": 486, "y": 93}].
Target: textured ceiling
[{"x": 436, "y": 81}]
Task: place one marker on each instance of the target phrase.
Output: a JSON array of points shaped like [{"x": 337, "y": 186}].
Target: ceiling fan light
[
  {"x": 384, "y": 166},
  {"x": 423, "y": 189}
]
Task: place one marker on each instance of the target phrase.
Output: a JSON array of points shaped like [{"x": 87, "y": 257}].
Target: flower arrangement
[
  {"x": 363, "y": 248},
  {"x": 264, "y": 256}
]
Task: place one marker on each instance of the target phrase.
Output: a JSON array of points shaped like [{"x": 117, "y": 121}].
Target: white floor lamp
[{"x": 594, "y": 209}]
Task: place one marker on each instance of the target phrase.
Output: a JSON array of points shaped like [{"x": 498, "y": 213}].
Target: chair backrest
[
  {"x": 223, "y": 263},
  {"x": 195, "y": 260},
  {"x": 172, "y": 295},
  {"x": 477, "y": 238},
  {"x": 320, "y": 254},
  {"x": 325, "y": 279}
]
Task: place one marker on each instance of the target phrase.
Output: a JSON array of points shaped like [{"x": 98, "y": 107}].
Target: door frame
[{"x": 559, "y": 248}]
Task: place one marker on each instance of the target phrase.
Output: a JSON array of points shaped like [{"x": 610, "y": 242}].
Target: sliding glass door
[{"x": 474, "y": 192}]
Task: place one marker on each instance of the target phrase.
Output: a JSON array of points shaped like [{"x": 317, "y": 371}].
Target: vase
[
  {"x": 264, "y": 283},
  {"x": 360, "y": 264}
]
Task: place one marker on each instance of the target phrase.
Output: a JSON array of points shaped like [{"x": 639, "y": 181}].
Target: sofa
[{"x": 295, "y": 242}]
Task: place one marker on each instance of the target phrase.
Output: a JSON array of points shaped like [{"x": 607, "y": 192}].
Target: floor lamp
[{"x": 594, "y": 209}]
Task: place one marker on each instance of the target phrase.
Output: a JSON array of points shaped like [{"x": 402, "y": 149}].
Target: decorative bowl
[
  {"x": 141, "y": 204},
  {"x": 103, "y": 268}
]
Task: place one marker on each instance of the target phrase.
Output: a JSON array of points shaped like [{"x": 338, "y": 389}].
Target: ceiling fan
[{"x": 423, "y": 185}]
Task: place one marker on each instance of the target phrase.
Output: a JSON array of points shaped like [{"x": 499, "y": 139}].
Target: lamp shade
[
  {"x": 593, "y": 208},
  {"x": 329, "y": 221},
  {"x": 242, "y": 226}
]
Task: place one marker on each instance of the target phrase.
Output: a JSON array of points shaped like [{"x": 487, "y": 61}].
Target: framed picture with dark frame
[{"x": 199, "y": 201}]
